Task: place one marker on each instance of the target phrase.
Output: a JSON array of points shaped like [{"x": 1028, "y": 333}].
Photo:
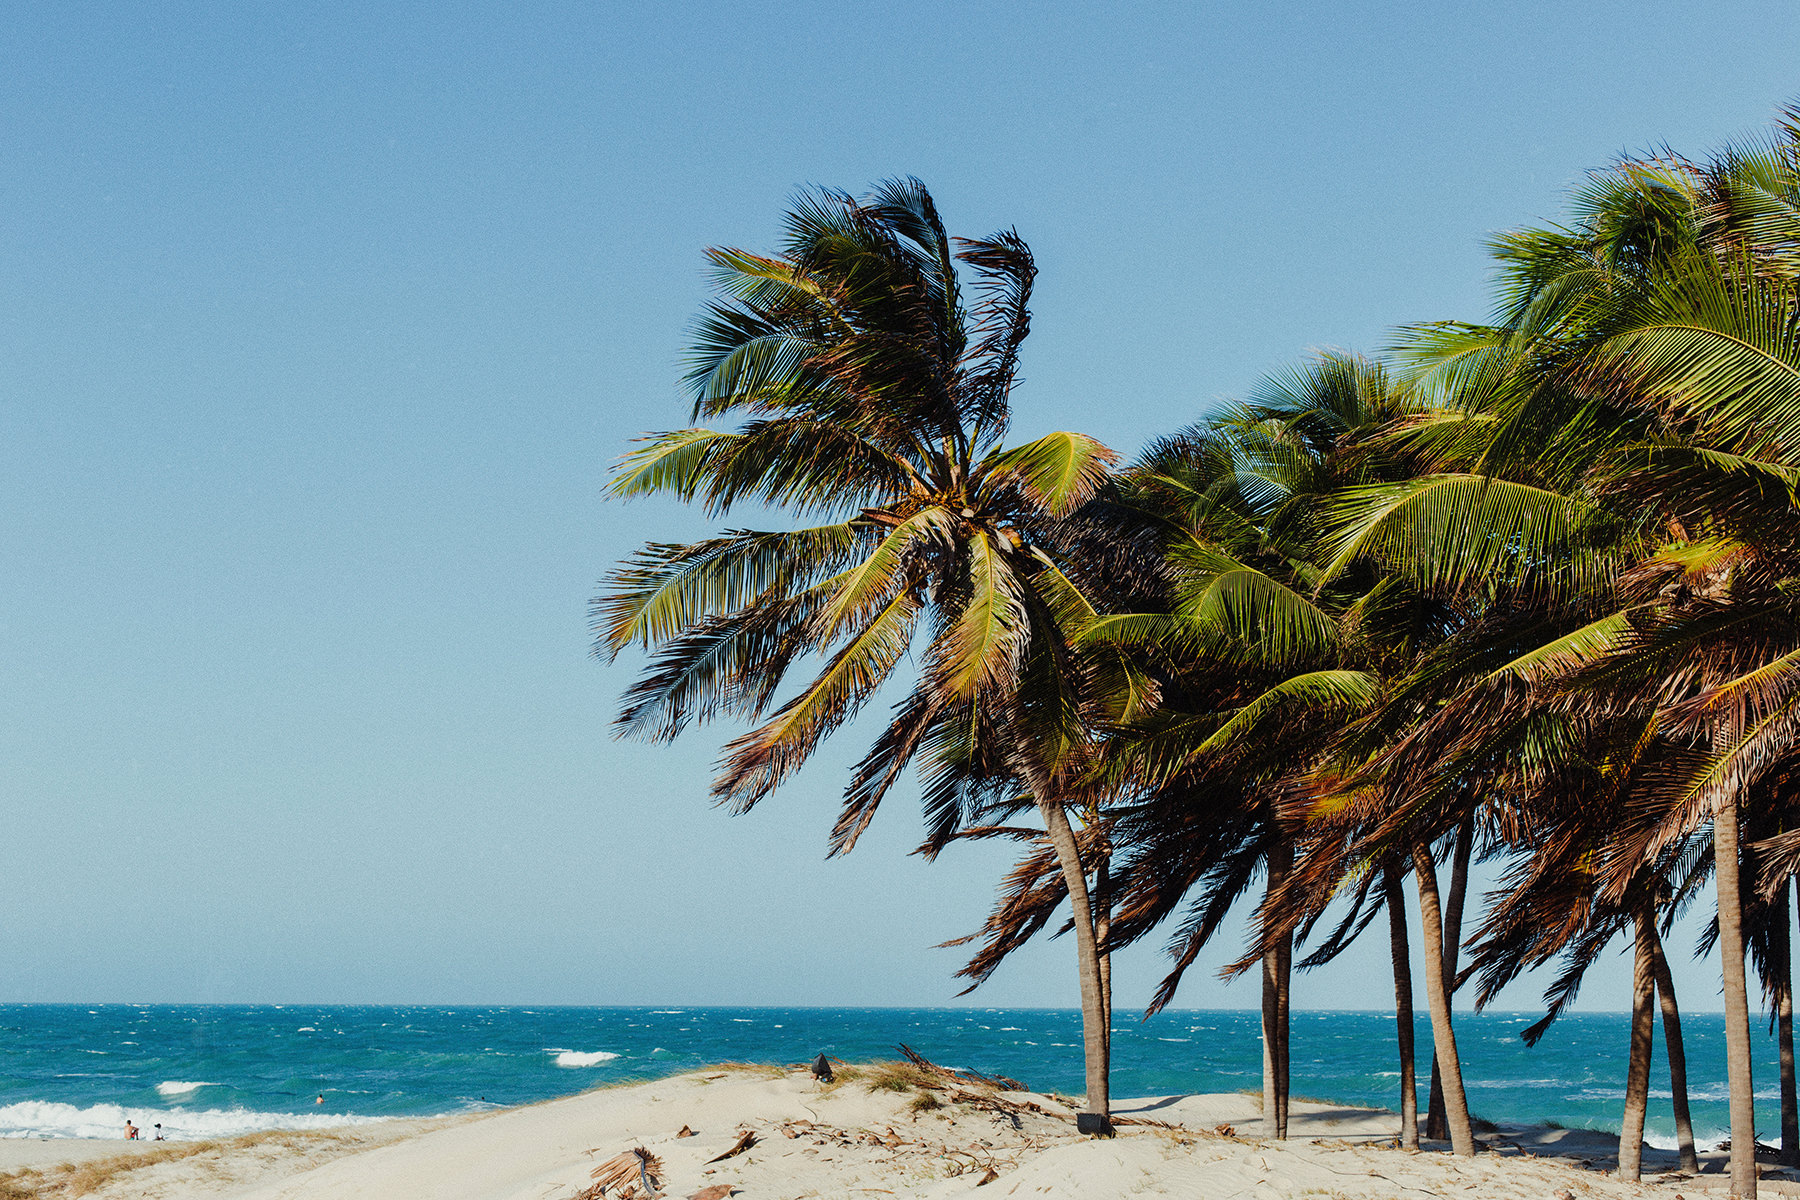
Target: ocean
[{"x": 204, "y": 1071}]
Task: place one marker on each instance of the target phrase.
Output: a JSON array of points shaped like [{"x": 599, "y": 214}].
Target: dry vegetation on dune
[{"x": 66, "y": 1181}]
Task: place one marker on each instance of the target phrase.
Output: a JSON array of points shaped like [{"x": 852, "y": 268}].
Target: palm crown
[{"x": 869, "y": 394}]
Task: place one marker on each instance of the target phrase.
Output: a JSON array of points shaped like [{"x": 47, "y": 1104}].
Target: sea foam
[
  {"x": 43, "y": 1118},
  {"x": 580, "y": 1058}
]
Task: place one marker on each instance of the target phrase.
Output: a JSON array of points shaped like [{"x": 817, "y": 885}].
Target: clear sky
[{"x": 321, "y": 326}]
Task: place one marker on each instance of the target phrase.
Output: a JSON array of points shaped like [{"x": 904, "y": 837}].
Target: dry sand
[{"x": 849, "y": 1140}]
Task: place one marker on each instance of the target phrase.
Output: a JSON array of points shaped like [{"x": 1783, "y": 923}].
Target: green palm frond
[
  {"x": 983, "y": 644},
  {"x": 1466, "y": 531},
  {"x": 871, "y": 583},
  {"x": 1264, "y": 619},
  {"x": 668, "y": 462},
  {"x": 664, "y": 588},
  {"x": 1333, "y": 693},
  {"x": 757, "y": 762},
  {"x": 1058, "y": 472},
  {"x": 1712, "y": 348},
  {"x": 1572, "y": 651}
]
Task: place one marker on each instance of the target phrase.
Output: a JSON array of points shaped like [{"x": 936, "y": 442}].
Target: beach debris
[
  {"x": 713, "y": 1191},
  {"x": 821, "y": 1069},
  {"x": 1224, "y": 1130},
  {"x": 960, "y": 1074},
  {"x": 745, "y": 1140},
  {"x": 684, "y": 1131},
  {"x": 988, "y": 1177},
  {"x": 634, "y": 1175}
]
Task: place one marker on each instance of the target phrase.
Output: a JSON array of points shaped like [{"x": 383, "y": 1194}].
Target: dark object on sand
[
  {"x": 745, "y": 1140},
  {"x": 1094, "y": 1123},
  {"x": 821, "y": 1069}
]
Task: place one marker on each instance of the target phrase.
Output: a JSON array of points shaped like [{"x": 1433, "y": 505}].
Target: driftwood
[
  {"x": 952, "y": 1075},
  {"x": 745, "y": 1140}
]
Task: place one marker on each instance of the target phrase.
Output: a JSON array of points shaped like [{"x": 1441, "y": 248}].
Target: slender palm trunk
[
  {"x": 1737, "y": 1000},
  {"x": 1437, "y": 992},
  {"x": 1678, "y": 1088},
  {"x": 1782, "y": 964},
  {"x": 1284, "y": 1027},
  {"x": 1399, "y": 949},
  {"x": 1103, "y": 930},
  {"x": 1643, "y": 1032},
  {"x": 1453, "y": 919},
  {"x": 1277, "y": 964},
  {"x": 1094, "y": 1032}
]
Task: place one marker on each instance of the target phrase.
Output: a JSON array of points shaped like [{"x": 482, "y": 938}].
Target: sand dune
[{"x": 852, "y": 1140}]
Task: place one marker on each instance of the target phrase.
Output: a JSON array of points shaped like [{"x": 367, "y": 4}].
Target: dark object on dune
[
  {"x": 821, "y": 1069},
  {"x": 1094, "y": 1123}
]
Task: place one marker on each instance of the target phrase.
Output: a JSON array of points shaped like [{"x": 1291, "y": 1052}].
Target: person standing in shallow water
[{"x": 131, "y": 1131}]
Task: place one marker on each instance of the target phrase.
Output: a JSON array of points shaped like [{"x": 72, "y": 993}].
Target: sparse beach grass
[{"x": 70, "y": 1180}]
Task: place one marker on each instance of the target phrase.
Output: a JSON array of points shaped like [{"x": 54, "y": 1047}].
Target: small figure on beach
[
  {"x": 159, "y": 1136},
  {"x": 131, "y": 1131}
]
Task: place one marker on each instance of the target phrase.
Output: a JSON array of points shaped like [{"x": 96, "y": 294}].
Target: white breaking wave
[
  {"x": 580, "y": 1058},
  {"x": 181, "y": 1087},
  {"x": 43, "y": 1118}
]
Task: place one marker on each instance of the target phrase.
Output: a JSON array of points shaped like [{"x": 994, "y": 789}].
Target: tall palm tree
[{"x": 858, "y": 387}]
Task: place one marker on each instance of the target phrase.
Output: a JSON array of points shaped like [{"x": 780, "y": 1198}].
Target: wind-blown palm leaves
[
  {"x": 1531, "y": 596},
  {"x": 1643, "y": 387},
  {"x": 868, "y": 393}
]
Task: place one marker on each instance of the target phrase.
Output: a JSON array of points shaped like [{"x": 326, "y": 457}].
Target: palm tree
[
  {"x": 1255, "y": 671},
  {"x": 1653, "y": 357},
  {"x": 867, "y": 394}
]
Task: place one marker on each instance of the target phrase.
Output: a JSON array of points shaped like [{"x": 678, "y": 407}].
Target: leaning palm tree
[{"x": 857, "y": 387}]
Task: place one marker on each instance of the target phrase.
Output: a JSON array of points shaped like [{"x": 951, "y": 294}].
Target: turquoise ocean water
[{"x": 213, "y": 1070}]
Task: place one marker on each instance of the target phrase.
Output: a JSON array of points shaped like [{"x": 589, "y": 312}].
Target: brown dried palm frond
[{"x": 635, "y": 1174}]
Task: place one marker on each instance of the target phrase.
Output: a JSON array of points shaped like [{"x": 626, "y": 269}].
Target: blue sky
[{"x": 322, "y": 325}]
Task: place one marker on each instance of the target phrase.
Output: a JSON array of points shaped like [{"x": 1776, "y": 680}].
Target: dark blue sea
[{"x": 214, "y": 1070}]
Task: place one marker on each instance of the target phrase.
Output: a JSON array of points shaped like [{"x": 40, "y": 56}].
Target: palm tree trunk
[
  {"x": 1737, "y": 1000},
  {"x": 1094, "y": 1032},
  {"x": 1637, "y": 1072},
  {"x": 1284, "y": 1028},
  {"x": 1453, "y": 919},
  {"x": 1781, "y": 948},
  {"x": 1277, "y": 964},
  {"x": 1671, "y": 1018},
  {"x": 1403, "y": 1005},
  {"x": 1102, "y": 930},
  {"x": 1437, "y": 992}
]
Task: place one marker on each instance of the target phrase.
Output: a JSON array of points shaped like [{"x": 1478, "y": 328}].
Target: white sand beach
[{"x": 857, "y": 1138}]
